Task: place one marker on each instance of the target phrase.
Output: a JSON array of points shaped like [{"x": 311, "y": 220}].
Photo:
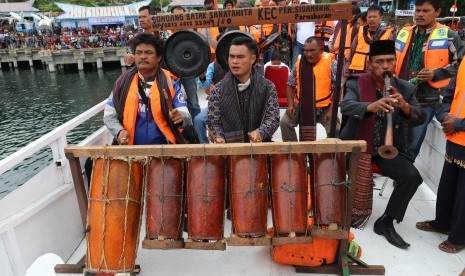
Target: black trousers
[
  {"x": 450, "y": 203},
  {"x": 401, "y": 170}
]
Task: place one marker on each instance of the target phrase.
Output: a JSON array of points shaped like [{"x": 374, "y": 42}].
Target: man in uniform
[
  {"x": 428, "y": 54},
  {"x": 366, "y": 109}
]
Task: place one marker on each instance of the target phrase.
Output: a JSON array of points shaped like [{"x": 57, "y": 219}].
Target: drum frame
[{"x": 185, "y": 151}]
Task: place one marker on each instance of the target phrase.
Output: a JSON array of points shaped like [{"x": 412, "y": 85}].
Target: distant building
[
  {"x": 24, "y": 9},
  {"x": 75, "y": 16},
  {"x": 187, "y": 4}
]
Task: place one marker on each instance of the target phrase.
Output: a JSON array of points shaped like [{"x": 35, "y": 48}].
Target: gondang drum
[
  {"x": 248, "y": 185},
  {"x": 205, "y": 198},
  {"x": 289, "y": 193},
  {"x": 329, "y": 189},
  {"x": 114, "y": 215},
  {"x": 165, "y": 197}
]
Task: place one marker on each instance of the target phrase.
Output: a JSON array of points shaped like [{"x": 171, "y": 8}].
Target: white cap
[{"x": 304, "y": 1}]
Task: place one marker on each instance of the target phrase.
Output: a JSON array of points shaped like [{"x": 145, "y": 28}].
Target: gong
[{"x": 187, "y": 54}]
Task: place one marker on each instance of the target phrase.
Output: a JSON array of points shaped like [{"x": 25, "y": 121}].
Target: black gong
[{"x": 187, "y": 54}]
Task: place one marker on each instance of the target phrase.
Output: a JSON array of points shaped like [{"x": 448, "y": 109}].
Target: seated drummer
[
  {"x": 366, "y": 110},
  {"x": 146, "y": 106},
  {"x": 243, "y": 107}
]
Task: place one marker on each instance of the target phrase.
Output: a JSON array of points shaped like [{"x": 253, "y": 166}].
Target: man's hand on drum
[
  {"x": 254, "y": 136},
  {"x": 123, "y": 137},
  {"x": 219, "y": 140}
]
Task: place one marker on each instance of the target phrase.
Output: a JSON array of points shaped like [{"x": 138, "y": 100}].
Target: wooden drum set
[{"x": 189, "y": 187}]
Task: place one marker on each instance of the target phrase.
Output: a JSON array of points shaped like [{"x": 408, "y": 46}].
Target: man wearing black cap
[{"x": 366, "y": 109}]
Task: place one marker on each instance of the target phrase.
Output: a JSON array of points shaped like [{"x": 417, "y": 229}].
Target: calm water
[{"x": 32, "y": 103}]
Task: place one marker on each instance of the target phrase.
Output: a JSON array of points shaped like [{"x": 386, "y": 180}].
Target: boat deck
[{"x": 423, "y": 258}]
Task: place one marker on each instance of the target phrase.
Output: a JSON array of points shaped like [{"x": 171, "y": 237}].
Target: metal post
[{"x": 337, "y": 92}]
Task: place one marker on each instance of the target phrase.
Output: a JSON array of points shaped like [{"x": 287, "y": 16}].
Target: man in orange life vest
[
  {"x": 450, "y": 206},
  {"x": 366, "y": 109},
  {"x": 365, "y": 37},
  {"x": 335, "y": 40},
  {"x": 309, "y": 92},
  {"x": 428, "y": 54},
  {"x": 146, "y": 106}
]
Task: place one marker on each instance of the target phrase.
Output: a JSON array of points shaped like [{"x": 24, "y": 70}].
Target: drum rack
[{"x": 330, "y": 145}]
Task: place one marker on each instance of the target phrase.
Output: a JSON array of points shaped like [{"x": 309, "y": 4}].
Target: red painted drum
[
  {"x": 205, "y": 197},
  {"x": 164, "y": 198},
  {"x": 248, "y": 184},
  {"x": 114, "y": 215},
  {"x": 329, "y": 194},
  {"x": 289, "y": 193}
]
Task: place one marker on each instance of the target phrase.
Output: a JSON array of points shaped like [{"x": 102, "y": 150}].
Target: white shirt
[
  {"x": 269, "y": 63},
  {"x": 304, "y": 30}
]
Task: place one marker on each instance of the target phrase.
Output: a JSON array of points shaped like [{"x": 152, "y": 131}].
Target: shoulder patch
[
  {"x": 442, "y": 32},
  {"x": 181, "y": 98}
]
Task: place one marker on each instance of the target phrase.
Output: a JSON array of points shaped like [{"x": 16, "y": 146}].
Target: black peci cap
[{"x": 382, "y": 47}]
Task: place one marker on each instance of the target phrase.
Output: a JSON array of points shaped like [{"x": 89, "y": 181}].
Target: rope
[
  {"x": 104, "y": 195},
  {"x": 123, "y": 257}
]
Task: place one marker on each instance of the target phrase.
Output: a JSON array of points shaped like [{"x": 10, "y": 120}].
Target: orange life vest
[
  {"x": 131, "y": 108},
  {"x": 322, "y": 80},
  {"x": 322, "y": 30},
  {"x": 436, "y": 53},
  {"x": 457, "y": 108},
  {"x": 348, "y": 41},
  {"x": 259, "y": 31},
  {"x": 359, "y": 60}
]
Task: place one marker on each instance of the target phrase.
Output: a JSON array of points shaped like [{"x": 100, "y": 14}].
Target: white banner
[
  {"x": 404, "y": 12},
  {"x": 106, "y": 20}
]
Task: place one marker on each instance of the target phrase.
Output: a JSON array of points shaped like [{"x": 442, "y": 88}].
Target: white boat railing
[
  {"x": 54, "y": 139},
  {"x": 42, "y": 216}
]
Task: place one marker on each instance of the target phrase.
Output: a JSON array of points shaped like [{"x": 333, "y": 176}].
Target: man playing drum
[
  {"x": 243, "y": 106},
  {"x": 367, "y": 110},
  {"x": 146, "y": 106}
]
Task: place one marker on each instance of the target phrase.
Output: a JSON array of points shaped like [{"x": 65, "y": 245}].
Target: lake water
[{"x": 34, "y": 102}]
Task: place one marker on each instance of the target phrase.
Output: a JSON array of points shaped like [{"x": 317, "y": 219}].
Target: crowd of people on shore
[{"x": 66, "y": 38}]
